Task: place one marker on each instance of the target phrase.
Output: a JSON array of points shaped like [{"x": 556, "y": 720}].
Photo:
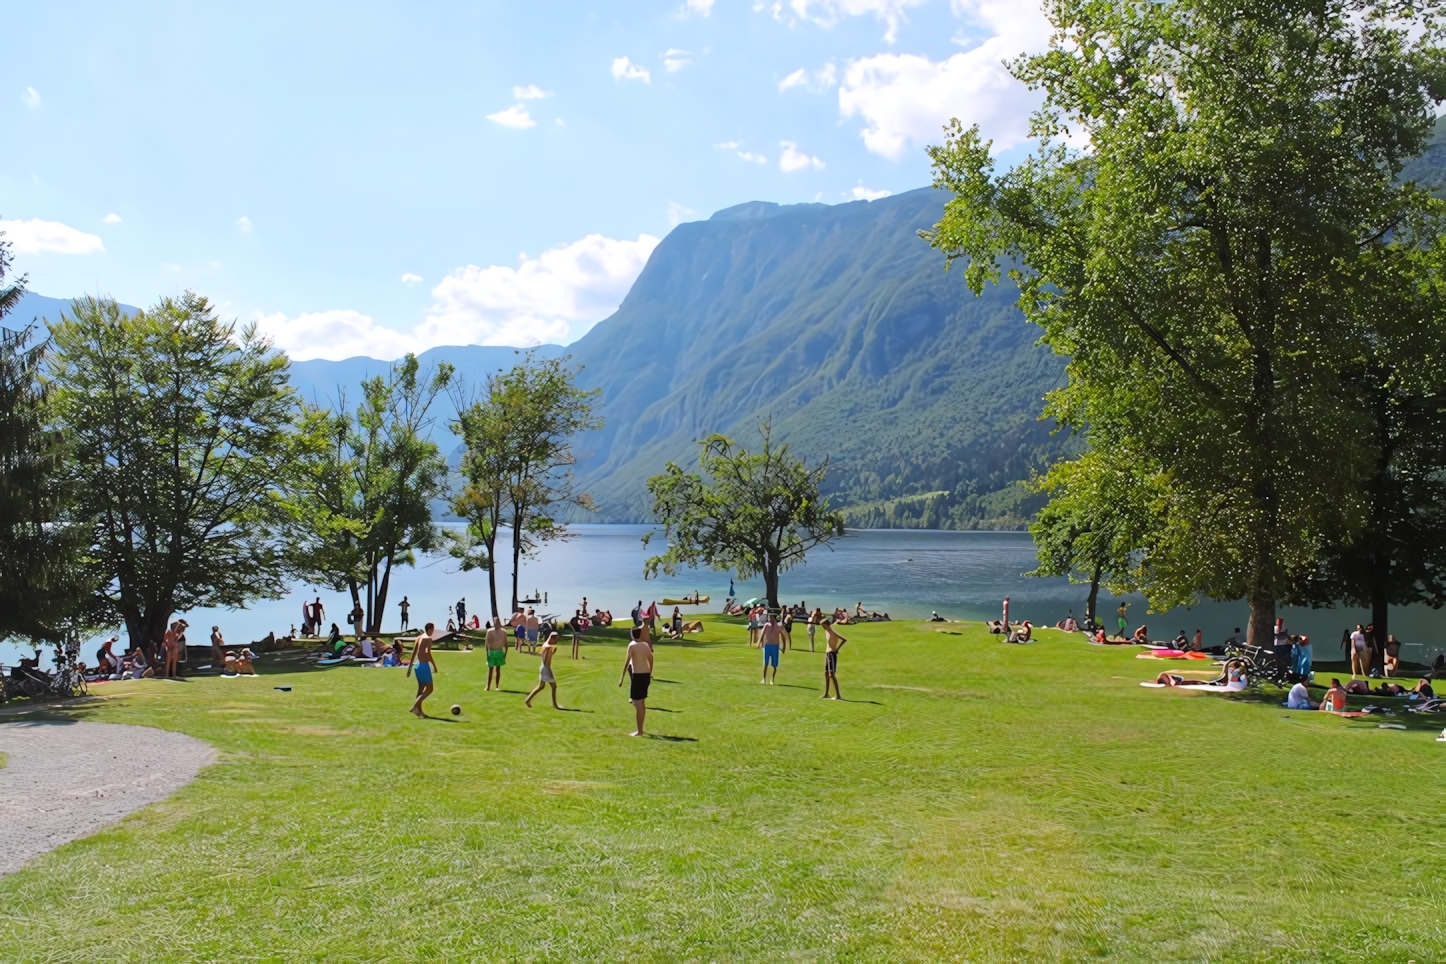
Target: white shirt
[
  {"x": 1358, "y": 640},
  {"x": 1299, "y": 698}
]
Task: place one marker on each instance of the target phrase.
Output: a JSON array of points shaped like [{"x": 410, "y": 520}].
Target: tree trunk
[
  {"x": 491, "y": 540},
  {"x": 770, "y": 583},
  {"x": 1262, "y": 622},
  {"x": 1094, "y": 596},
  {"x": 1379, "y": 615},
  {"x": 381, "y": 598},
  {"x": 516, "y": 557}
]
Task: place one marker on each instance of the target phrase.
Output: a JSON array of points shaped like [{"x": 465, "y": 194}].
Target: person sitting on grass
[
  {"x": 1423, "y": 688},
  {"x": 1067, "y": 624},
  {"x": 1023, "y": 634},
  {"x": 1299, "y": 698},
  {"x": 934, "y": 617},
  {"x": 136, "y": 665},
  {"x": 1393, "y": 655},
  {"x": 244, "y": 666},
  {"x": 1335, "y": 698},
  {"x": 1142, "y": 636},
  {"x": 1181, "y": 641}
]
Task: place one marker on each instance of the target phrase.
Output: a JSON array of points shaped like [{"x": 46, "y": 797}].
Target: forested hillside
[{"x": 841, "y": 325}]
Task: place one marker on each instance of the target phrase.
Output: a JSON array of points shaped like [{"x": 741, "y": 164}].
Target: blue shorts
[
  {"x": 770, "y": 655},
  {"x": 423, "y": 672},
  {"x": 532, "y": 635}
]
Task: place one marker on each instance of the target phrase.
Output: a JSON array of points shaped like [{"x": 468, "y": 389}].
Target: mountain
[
  {"x": 840, "y": 324},
  {"x": 37, "y": 309}
]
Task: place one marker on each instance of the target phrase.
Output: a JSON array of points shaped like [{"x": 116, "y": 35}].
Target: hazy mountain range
[{"x": 835, "y": 321}]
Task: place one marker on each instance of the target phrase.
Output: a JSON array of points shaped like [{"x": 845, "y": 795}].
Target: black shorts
[
  {"x": 640, "y": 686},
  {"x": 830, "y": 661}
]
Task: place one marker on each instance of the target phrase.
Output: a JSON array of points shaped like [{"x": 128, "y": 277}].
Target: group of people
[
  {"x": 773, "y": 633},
  {"x": 637, "y": 664}
]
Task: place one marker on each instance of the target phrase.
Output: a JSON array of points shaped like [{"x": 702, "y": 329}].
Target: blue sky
[{"x": 369, "y": 178}]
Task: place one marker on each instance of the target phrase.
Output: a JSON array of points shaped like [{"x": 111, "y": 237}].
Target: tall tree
[
  {"x": 541, "y": 408},
  {"x": 1203, "y": 261},
  {"x": 1399, "y": 558},
  {"x": 755, "y": 513},
  {"x": 47, "y": 587},
  {"x": 179, "y": 427},
  {"x": 1097, "y": 516},
  {"x": 363, "y": 501},
  {"x": 482, "y": 502}
]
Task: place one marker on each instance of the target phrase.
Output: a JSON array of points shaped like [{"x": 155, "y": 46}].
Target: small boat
[{"x": 694, "y": 600}]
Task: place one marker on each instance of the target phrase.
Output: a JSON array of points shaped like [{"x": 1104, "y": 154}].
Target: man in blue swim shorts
[
  {"x": 425, "y": 666},
  {"x": 769, "y": 637}
]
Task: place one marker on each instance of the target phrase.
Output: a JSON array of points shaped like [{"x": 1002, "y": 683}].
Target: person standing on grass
[
  {"x": 496, "y": 643},
  {"x": 425, "y": 666},
  {"x": 785, "y": 630},
  {"x": 769, "y": 637},
  {"x": 639, "y": 662},
  {"x": 218, "y": 647},
  {"x": 753, "y": 626},
  {"x": 406, "y": 610},
  {"x": 833, "y": 642},
  {"x": 1124, "y": 624},
  {"x": 171, "y": 649},
  {"x": 637, "y": 614},
  {"x": 462, "y": 613},
  {"x": 532, "y": 623},
  {"x": 1360, "y": 653},
  {"x": 814, "y": 619},
  {"x": 544, "y": 672}
]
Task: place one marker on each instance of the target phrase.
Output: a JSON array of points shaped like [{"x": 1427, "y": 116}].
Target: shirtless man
[
  {"x": 833, "y": 642},
  {"x": 425, "y": 666},
  {"x": 218, "y": 647},
  {"x": 639, "y": 662},
  {"x": 496, "y": 651},
  {"x": 770, "y": 635},
  {"x": 545, "y": 676},
  {"x": 532, "y": 626},
  {"x": 519, "y": 628},
  {"x": 171, "y": 646}
]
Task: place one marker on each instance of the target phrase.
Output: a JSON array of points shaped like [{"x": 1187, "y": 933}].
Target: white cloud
[
  {"x": 799, "y": 78},
  {"x": 827, "y": 13},
  {"x": 554, "y": 297},
  {"x": 748, "y": 156},
  {"x": 334, "y": 335},
  {"x": 173, "y": 268},
  {"x": 530, "y": 92},
  {"x": 515, "y": 117},
  {"x": 49, "y": 237},
  {"x": 243, "y": 224},
  {"x": 675, "y": 60},
  {"x": 861, "y": 193},
  {"x": 112, "y": 219},
  {"x": 31, "y": 97},
  {"x": 823, "y": 78},
  {"x": 678, "y": 213},
  {"x": 624, "y": 69},
  {"x": 792, "y": 159},
  {"x": 702, "y": 8},
  {"x": 410, "y": 279},
  {"x": 904, "y": 99}
]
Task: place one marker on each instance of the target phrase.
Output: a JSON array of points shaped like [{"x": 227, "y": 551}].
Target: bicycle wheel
[{"x": 32, "y": 687}]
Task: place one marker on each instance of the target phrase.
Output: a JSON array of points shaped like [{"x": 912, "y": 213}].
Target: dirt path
[{"x": 66, "y": 780}]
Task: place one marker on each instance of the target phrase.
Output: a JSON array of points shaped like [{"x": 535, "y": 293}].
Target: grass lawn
[{"x": 970, "y": 801}]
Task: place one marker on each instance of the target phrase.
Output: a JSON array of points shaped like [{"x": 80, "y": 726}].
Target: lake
[{"x": 907, "y": 573}]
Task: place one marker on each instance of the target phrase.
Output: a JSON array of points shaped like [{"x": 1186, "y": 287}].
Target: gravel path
[{"x": 67, "y": 780}]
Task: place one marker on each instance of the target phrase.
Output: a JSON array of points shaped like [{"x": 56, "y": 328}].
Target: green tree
[
  {"x": 540, "y": 408},
  {"x": 47, "y": 587},
  {"x": 1097, "y": 517},
  {"x": 1204, "y": 262},
  {"x": 482, "y": 502},
  {"x": 752, "y": 513},
  {"x": 179, "y": 427},
  {"x": 362, "y": 504}
]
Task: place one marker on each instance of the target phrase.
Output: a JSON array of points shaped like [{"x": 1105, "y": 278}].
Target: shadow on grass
[
  {"x": 673, "y": 739},
  {"x": 845, "y": 699},
  {"x": 662, "y": 709},
  {"x": 673, "y": 681}
]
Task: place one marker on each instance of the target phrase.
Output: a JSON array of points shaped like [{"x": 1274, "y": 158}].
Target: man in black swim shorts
[{"x": 639, "y": 662}]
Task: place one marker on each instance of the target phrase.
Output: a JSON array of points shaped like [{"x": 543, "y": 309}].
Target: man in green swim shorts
[
  {"x": 496, "y": 651},
  {"x": 1123, "y": 624}
]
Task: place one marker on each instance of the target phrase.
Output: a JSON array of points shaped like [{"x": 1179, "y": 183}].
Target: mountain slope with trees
[{"x": 838, "y": 323}]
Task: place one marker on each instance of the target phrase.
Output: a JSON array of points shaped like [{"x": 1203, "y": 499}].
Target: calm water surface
[{"x": 907, "y": 573}]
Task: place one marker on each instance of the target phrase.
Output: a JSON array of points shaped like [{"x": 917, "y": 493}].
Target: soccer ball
[{"x": 456, "y": 710}]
